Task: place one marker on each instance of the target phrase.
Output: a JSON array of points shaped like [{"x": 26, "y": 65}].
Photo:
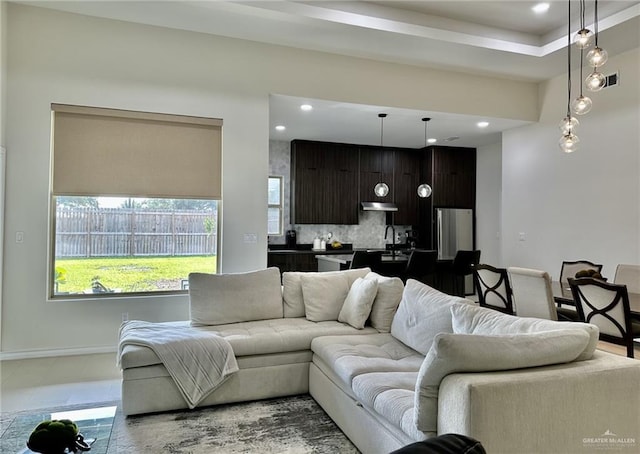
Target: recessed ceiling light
[
  {"x": 432, "y": 140},
  {"x": 540, "y": 8},
  {"x": 482, "y": 124},
  {"x": 280, "y": 128},
  {"x": 306, "y": 107}
]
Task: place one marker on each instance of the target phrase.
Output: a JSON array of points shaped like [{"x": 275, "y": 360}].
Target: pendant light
[
  {"x": 582, "y": 104},
  {"x": 584, "y": 38},
  {"x": 424, "y": 190},
  {"x": 596, "y": 58},
  {"x": 381, "y": 189},
  {"x": 569, "y": 141}
]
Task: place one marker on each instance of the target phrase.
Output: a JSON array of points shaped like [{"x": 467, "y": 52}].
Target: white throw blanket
[{"x": 197, "y": 360}]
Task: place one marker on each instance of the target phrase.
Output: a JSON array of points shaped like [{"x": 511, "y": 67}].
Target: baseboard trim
[{"x": 32, "y": 354}]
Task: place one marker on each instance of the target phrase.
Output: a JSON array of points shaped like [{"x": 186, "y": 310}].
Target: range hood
[{"x": 379, "y": 206}]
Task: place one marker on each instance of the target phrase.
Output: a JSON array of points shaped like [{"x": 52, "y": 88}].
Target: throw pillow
[
  {"x": 357, "y": 305},
  {"x": 480, "y": 320},
  {"x": 423, "y": 313},
  {"x": 216, "y": 299},
  {"x": 292, "y": 288},
  {"x": 452, "y": 353},
  {"x": 324, "y": 295},
  {"x": 386, "y": 302}
]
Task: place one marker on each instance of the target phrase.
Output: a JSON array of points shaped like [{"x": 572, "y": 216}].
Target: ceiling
[{"x": 496, "y": 38}]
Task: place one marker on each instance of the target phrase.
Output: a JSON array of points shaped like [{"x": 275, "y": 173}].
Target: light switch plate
[{"x": 250, "y": 238}]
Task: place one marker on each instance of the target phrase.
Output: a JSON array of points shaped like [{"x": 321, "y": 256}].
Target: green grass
[{"x": 132, "y": 274}]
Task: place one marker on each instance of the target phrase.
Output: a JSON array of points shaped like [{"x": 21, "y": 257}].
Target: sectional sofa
[{"x": 393, "y": 364}]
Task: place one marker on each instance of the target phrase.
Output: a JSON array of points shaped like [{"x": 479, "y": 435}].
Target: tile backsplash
[{"x": 368, "y": 233}]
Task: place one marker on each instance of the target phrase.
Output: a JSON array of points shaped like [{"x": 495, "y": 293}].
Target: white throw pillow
[
  {"x": 481, "y": 320},
  {"x": 292, "y": 288},
  {"x": 386, "y": 302},
  {"x": 452, "y": 353},
  {"x": 423, "y": 313},
  {"x": 216, "y": 299},
  {"x": 357, "y": 305},
  {"x": 324, "y": 295}
]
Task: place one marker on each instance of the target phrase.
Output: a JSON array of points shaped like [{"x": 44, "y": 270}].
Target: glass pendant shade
[
  {"x": 568, "y": 124},
  {"x": 595, "y": 81},
  {"x": 597, "y": 57},
  {"x": 581, "y": 105},
  {"x": 584, "y": 38},
  {"x": 424, "y": 191},
  {"x": 381, "y": 189},
  {"x": 569, "y": 143}
]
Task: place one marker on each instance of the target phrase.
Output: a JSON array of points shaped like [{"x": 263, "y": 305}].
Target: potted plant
[{"x": 57, "y": 437}]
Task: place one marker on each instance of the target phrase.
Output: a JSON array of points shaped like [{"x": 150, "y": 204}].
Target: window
[
  {"x": 134, "y": 201},
  {"x": 115, "y": 245},
  {"x": 274, "y": 224}
]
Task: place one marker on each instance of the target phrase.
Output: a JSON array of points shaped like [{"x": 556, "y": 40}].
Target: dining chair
[
  {"x": 421, "y": 266},
  {"x": 628, "y": 275},
  {"x": 366, "y": 259},
  {"x": 494, "y": 290},
  {"x": 462, "y": 266},
  {"x": 569, "y": 269},
  {"x": 606, "y": 305},
  {"x": 532, "y": 294}
]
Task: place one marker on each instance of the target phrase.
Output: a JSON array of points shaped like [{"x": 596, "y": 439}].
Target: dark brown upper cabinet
[
  {"x": 324, "y": 183},
  {"x": 454, "y": 177},
  {"x": 376, "y": 166},
  {"x": 406, "y": 181},
  {"x": 328, "y": 180}
]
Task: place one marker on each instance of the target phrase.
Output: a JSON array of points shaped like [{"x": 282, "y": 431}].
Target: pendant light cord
[
  {"x": 569, "y": 59},
  {"x": 595, "y": 22}
]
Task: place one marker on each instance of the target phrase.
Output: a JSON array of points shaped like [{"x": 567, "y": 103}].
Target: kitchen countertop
[{"x": 345, "y": 259}]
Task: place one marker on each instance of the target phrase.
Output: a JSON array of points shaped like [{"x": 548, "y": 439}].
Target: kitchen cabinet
[
  {"x": 324, "y": 183},
  {"x": 405, "y": 183},
  {"x": 376, "y": 166},
  {"x": 454, "y": 177}
]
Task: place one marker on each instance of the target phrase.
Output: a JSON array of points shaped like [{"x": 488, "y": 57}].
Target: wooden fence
[{"x": 108, "y": 232}]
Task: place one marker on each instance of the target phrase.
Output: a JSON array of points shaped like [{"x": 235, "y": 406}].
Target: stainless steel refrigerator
[{"x": 454, "y": 231}]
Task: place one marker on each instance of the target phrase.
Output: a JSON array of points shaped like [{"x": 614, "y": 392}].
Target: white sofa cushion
[
  {"x": 215, "y": 299},
  {"x": 423, "y": 313},
  {"x": 452, "y": 353},
  {"x": 259, "y": 337},
  {"x": 292, "y": 288},
  {"x": 386, "y": 303},
  {"x": 324, "y": 295},
  {"x": 480, "y": 320},
  {"x": 357, "y": 304},
  {"x": 351, "y": 356}
]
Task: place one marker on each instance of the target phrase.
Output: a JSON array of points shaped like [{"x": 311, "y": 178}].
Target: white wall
[
  {"x": 64, "y": 58},
  {"x": 584, "y": 205},
  {"x": 3, "y": 155},
  {"x": 488, "y": 203}
]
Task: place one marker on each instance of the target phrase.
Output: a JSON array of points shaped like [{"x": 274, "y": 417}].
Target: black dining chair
[
  {"x": 570, "y": 268},
  {"x": 606, "y": 305},
  {"x": 462, "y": 266},
  {"x": 494, "y": 289},
  {"x": 421, "y": 266},
  {"x": 366, "y": 259}
]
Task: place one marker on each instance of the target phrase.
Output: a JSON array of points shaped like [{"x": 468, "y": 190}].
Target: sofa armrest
[{"x": 559, "y": 408}]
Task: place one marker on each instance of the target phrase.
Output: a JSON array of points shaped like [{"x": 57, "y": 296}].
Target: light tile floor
[{"x": 49, "y": 382}]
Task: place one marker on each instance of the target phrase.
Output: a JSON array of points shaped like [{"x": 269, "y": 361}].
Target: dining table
[{"x": 562, "y": 295}]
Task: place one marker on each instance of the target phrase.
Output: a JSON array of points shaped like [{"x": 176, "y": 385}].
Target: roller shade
[{"x": 110, "y": 152}]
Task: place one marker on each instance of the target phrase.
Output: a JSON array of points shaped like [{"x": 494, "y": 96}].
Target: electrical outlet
[
  {"x": 19, "y": 237},
  {"x": 125, "y": 316},
  {"x": 522, "y": 236}
]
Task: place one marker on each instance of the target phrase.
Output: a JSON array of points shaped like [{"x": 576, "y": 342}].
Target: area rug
[{"x": 284, "y": 425}]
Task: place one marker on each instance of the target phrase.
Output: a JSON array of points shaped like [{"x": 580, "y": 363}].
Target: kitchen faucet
[{"x": 393, "y": 237}]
